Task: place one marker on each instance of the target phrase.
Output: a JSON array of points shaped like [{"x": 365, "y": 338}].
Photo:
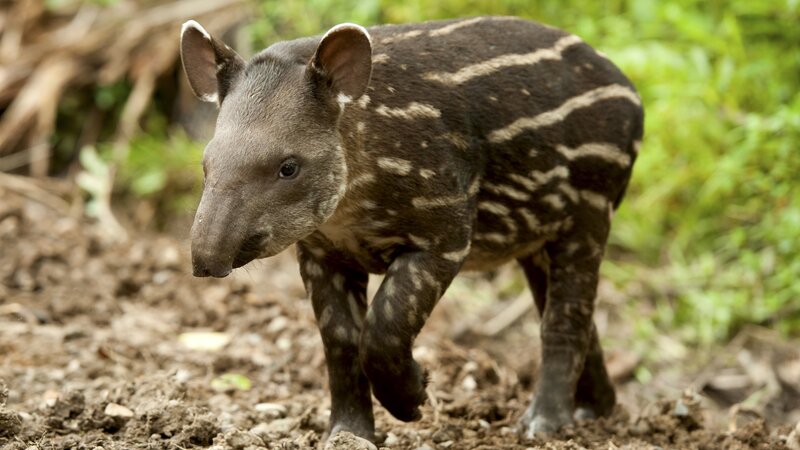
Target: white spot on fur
[
  {"x": 494, "y": 208},
  {"x": 395, "y": 165},
  {"x": 210, "y": 98},
  {"x": 363, "y": 101},
  {"x": 341, "y": 333},
  {"x": 388, "y": 309},
  {"x": 561, "y": 112},
  {"x": 360, "y": 180},
  {"x": 542, "y": 178},
  {"x": 503, "y": 61},
  {"x": 402, "y": 36},
  {"x": 325, "y": 317},
  {"x": 569, "y": 191},
  {"x": 437, "y": 202},
  {"x": 506, "y": 190},
  {"x": 355, "y": 310},
  {"x": 491, "y": 237},
  {"x": 607, "y": 152},
  {"x": 457, "y": 139},
  {"x": 594, "y": 199},
  {"x": 313, "y": 269},
  {"x": 447, "y": 29},
  {"x": 555, "y": 201},
  {"x": 419, "y": 241},
  {"x": 457, "y": 255},
  {"x": 343, "y": 100},
  {"x": 526, "y": 182},
  {"x": 380, "y": 58},
  {"x": 426, "y": 173},
  {"x": 530, "y": 219},
  {"x": 360, "y": 127},
  {"x": 414, "y": 110},
  {"x": 338, "y": 281},
  {"x": 636, "y": 146}
]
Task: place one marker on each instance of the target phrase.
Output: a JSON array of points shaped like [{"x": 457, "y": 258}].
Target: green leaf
[{"x": 231, "y": 381}]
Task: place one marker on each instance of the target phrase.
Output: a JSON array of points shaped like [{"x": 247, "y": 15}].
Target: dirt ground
[{"x": 117, "y": 346}]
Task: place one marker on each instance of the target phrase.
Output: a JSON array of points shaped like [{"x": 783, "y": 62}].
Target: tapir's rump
[{"x": 418, "y": 151}]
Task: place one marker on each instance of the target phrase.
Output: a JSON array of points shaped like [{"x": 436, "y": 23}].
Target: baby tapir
[{"x": 417, "y": 151}]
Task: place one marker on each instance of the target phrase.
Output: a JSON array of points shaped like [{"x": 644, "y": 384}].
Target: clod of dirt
[
  {"x": 66, "y": 408},
  {"x": 239, "y": 440},
  {"x": 10, "y": 423},
  {"x": 344, "y": 440}
]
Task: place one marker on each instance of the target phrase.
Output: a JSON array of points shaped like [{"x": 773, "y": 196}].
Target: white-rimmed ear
[
  {"x": 344, "y": 61},
  {"x": 210, "y": 65}
]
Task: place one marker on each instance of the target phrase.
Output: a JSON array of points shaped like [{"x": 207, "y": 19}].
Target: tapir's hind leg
[{"x": 558, "y": 393}]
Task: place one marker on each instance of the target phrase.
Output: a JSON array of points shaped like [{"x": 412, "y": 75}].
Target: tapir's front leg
[
  {"x": 338, "y": 295},
  {"x": 413, "y": 285}
]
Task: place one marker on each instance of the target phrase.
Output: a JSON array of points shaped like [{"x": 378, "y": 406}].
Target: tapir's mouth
[{"x": 251, "y": 248}]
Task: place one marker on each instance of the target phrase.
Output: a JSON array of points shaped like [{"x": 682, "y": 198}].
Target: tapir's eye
[{"x": 289, "y": 169}]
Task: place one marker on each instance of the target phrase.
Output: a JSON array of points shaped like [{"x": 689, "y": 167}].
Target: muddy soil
[{"x": 116, "y": 346}]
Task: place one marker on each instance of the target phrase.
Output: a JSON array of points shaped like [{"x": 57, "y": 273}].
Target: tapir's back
[{"x": 529, "y": 116}]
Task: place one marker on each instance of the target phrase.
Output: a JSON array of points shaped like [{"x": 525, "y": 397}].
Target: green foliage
[
  {"x": 711, "y": 224},
  {"x": 162, "y": 169}
]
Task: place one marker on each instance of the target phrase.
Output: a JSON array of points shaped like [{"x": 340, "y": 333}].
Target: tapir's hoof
[
  {"x": 537, "y": 421},
  {"x": 402, "y": 395}
]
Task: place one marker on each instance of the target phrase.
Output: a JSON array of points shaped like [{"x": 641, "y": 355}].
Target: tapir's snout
[
  {"x": 217, "y": 235},
  {"x": 208, "y": 266},
  {"x": 225, "y": 234}
]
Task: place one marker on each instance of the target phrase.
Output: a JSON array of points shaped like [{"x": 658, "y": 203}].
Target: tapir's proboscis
[{"x": 417, "y": 151}]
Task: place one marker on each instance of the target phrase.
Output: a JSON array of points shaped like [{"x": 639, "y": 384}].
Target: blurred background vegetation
[{"x": 708, "y": 237}]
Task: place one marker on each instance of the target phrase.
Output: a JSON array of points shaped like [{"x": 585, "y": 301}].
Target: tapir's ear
[
  {"x": 344, "y": 60},
  {"x": 210, "y": 65}
]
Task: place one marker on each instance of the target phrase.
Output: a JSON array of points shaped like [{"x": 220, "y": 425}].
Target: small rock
[
  {"x": 424, "y": 447},
  {"x": 115, "y": 410},
  {"x": 182, "y": 376},
  {"x": 161, "y": 277},
  {"x": 344, "y": 440},
  {"x": 271, "y": 409},
  {"x": 681, "y": 410},
  {"x": 391, "y": 439},
  {"x": 277, "y": 325},
  {"x": 469, "y": 383},
  {"x": 170, "y": 257},
  {"x": 50, "y": 397}
]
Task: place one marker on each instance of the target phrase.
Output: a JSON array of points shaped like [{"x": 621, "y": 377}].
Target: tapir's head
[{"x": 274, "y": 170}]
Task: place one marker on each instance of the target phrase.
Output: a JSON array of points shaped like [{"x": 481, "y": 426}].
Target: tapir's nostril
[
  {"x": 200, "y": 272},
  {"x": 217, "y": 272}
]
